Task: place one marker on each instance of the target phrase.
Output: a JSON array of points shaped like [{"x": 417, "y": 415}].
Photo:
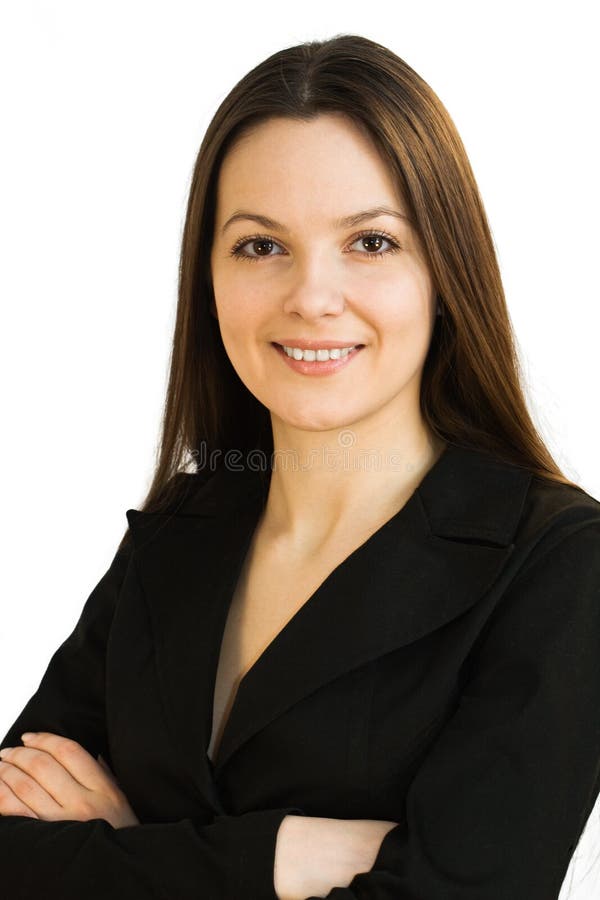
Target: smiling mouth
[
  {"x": 336, "y": 350},
  {"x": 314, "y": 366}
]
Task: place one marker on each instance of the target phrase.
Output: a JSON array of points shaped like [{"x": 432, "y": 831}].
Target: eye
[
  {"x": 375, "y": 239},
  {"x": 262, "y": 240}
]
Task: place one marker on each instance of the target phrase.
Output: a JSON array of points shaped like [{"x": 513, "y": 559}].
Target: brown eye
[
  {"x": 262, "y": 244},
  {"x": 374, "y": 241}
]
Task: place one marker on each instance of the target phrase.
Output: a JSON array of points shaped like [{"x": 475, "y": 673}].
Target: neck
[{"x": 341, "y": 482}]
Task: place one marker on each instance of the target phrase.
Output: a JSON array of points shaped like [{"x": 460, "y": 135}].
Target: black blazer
[{"x": 445, "y": 676}]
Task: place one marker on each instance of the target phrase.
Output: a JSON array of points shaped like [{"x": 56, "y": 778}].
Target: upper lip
[{"x": 316, "y": 344}]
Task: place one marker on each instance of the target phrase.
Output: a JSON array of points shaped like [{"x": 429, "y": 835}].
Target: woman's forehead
[{"x": 312, "y": 169}]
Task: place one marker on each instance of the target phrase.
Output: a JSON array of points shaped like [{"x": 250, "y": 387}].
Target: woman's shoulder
[
  {"x": 531, "y": 512},
  {"x": 555, "y": 515},
  {"x": 556, "y": 502}
]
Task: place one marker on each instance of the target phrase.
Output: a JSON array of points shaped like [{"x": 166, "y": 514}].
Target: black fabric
[{"x": 445, "y": 676}]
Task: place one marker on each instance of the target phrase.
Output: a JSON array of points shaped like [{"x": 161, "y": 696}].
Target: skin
[
  {"x": 317, "y": 280},
  {"x": 54, "y": 778}
]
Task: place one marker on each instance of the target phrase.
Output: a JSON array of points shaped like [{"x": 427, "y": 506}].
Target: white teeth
[{"x": 318, "y": 355}]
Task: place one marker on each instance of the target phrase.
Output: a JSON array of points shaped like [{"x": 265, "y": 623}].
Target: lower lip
[{"x": 319, "y": 367}]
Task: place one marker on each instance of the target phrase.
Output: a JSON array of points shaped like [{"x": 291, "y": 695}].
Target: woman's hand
[
  {"x": 53, "y": 778},
  {"x": 314, "y": 855}
]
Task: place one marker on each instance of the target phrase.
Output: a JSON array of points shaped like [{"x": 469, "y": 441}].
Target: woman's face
[{"x": 311, "y": 277}]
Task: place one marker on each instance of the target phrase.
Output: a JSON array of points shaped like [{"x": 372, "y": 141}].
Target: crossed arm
[{"x": 54, "y": 778}]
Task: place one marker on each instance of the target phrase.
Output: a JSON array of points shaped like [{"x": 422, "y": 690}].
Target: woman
[{"x": 354, "y": 654}]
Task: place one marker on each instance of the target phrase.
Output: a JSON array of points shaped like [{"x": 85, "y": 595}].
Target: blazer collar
[{"x": 429, "y": 563}]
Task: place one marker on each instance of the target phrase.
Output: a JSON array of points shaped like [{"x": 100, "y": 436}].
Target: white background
[{"x": 103, "y": 109}]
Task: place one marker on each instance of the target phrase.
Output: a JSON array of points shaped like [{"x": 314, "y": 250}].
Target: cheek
[
  {"x": 399, "y": 313},
  {"x": 230, "y": 294},
  {"x": 237, "y": 296},
  {"x": 234, "y": 308},
  {"x": 241, "y": 323}
]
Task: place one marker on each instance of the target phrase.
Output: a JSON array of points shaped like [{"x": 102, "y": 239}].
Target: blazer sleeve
[
  {"x": 228, "y": 857},
  {"x": 500, "y": 801}
]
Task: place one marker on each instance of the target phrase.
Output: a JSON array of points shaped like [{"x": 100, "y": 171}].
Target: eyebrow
[{"x": 345, "y": 222}]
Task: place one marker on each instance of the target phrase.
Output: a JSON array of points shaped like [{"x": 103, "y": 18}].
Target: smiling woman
[
  {"x": 315, "y": 287},
  {"x": 354, "y": 652}
]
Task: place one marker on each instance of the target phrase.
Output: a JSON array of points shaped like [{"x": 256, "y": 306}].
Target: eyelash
[{"x": 236, "y": 253}]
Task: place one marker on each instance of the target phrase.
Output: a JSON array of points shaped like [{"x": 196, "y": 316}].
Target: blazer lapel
[{"x": 429, "y": 563}]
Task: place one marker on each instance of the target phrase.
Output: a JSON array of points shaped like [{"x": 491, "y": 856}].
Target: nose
[{"x": 316, "y": 290}]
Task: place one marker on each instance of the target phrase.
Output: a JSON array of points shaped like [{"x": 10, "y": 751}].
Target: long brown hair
[{"x": 471, "y": 391}]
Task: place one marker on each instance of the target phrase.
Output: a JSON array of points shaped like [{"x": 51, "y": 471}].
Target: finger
[
  {"x": 77, "y": 762},
  {"x": 45, "y": 784},
  {"x": 10, "y": 805},
  {"x": 21, "y": 795}
]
